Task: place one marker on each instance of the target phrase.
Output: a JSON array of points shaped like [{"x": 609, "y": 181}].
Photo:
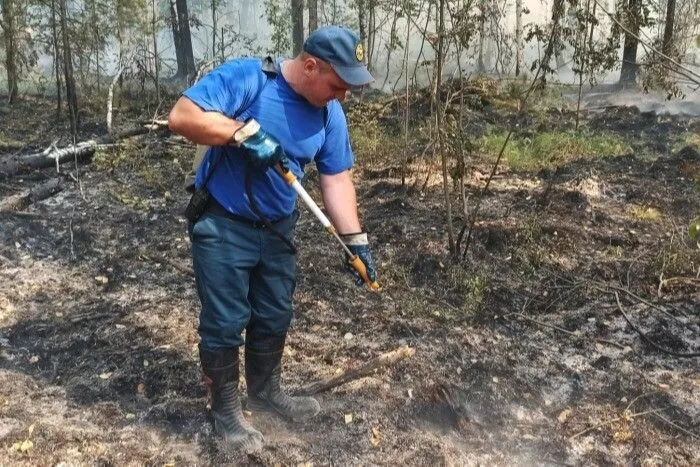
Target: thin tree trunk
[
  {"x": 96, "y": 47},
  {"x": 361, "y": 18},
  {"x": 557, "y": 14},
  {"x": 110, "y": 97},
  {"x": 313, "y": 15},
  {"x": 8, "y": 26},
  {"x": 297, "y": 26},
  {"x": 71, "y": 95},
  {"x": 154, "y": 31},
  {"x": 214, "y": 29},
  {"x": 371, "y": 34},
  {"x": 222, "y": 55},
  {"x": 582, "y": 62},
  {"x": 438, "y": 124},
  {"x": 519, "y": 46},
  {"x": 480, "y": 67},
  {"x": 424, "y": 32},
  {"x": 404, "y": 166},
  {"x": 667, "y": 47},
  {"x": 628, "y": 73},
  {"x": 390, "y": 44},
  {"x": 56, "y": 56}
]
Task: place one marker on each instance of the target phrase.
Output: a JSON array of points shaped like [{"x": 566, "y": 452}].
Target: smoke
[{"x": 653, "y": 102}]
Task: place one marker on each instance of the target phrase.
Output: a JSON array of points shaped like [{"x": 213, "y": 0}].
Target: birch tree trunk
[
  {"x": 480, "y": 67},
  {"x": 519, "y": 46}
]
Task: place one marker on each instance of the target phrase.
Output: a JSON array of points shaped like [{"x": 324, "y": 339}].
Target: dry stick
[
  {"x": 180, "y": 267},
  {"x": 663, "y": 282},
  {"x": 385, "y": 359},
  {"x": 694, "y": 77},
  {"x": 608, "y": 422},
  {"x": 649, "y": 341},
  {"x": 599, "y": 286},
  {"x": 687, "y": 432},
  {"x": 70, "y": 228},
  {"x": 566, "y": 331}
]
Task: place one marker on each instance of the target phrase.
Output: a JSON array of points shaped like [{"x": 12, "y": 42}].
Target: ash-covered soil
[{"x": 524, "y": 353}]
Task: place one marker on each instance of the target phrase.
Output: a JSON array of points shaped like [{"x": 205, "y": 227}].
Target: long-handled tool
[{"x": 353, "y": 259}]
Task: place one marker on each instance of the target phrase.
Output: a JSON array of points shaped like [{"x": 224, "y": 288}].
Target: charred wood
[{"x": 22, "y": 200}]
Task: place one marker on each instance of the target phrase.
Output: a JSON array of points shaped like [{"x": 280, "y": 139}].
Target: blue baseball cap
[{"x": 343, "y": 50}]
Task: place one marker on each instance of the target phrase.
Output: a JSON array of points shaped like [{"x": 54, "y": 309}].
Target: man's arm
[
  {"x": 207, "y": 128},
  {"x": 341, "y": 202}
]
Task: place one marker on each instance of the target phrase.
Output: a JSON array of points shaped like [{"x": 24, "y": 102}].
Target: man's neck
[{"x": 292, "y": 75}]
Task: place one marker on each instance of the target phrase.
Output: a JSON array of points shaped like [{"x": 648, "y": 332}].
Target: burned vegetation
[{"x": 562, "y": 328}]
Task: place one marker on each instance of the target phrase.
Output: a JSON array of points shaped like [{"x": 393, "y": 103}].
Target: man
[{"x": 242, "y": 250}]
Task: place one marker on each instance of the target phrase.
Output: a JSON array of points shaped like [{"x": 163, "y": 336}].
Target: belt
[{"x": 213, "y": 207}]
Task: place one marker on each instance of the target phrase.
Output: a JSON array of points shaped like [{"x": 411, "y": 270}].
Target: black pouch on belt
[
  {"x": 200, "y": 198},
  {"x": 198, "y": 203}
]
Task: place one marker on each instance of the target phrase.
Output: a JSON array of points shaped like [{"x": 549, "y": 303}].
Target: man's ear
[{"x": 310, "y": 65}]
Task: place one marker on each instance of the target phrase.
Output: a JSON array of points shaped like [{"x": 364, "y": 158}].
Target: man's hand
[
  {"x": 260, "y": 149},
  {"x": 358, "y": 245}
]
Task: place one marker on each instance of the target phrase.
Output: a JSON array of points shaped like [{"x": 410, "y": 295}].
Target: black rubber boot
[
  {"x": 263, "y": 369},
  {"x": 221, "y": 375}
]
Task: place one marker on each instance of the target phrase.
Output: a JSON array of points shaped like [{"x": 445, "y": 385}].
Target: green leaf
[{"x": 694, "y": 229}]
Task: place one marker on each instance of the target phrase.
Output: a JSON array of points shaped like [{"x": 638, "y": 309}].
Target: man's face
[{"x": 324, "y": 83}]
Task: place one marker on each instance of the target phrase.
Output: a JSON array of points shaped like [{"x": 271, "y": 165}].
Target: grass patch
[
  {"x": 373, "y": 144},
  {"x": 470, "y": 286},
  {"x": 7, "y": 143},
  {"x": 687, "y": 139},
  {"x": 551, "y": 149},
  {"x": 644, "y": 213}
]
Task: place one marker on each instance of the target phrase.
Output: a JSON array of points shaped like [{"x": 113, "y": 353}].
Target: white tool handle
[{"x": 311, "y": 204}]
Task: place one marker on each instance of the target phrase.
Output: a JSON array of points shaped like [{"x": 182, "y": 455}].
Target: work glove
[
  {"x": 260, "y": 149},
  {"x": 358, "y": 245}
]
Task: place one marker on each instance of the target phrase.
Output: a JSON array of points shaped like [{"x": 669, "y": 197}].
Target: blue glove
[
  {"x": 260, "y": 149},
  {"x": 358, "y": 245}
]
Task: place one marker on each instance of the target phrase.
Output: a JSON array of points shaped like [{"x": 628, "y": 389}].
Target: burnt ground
[{"x": 523, "y": 355}]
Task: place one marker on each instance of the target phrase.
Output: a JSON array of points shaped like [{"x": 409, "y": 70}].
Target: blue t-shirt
[{"x": 240, "y": 89}]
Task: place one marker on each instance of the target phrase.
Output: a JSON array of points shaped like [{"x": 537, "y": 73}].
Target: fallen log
[
  {"x": 22, "y": 200},
  {"x": 81, "y": 152},
  {"x": 386, "y": 359}
]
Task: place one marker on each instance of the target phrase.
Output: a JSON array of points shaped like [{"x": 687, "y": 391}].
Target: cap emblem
[{"x": 359, "y": 52}]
